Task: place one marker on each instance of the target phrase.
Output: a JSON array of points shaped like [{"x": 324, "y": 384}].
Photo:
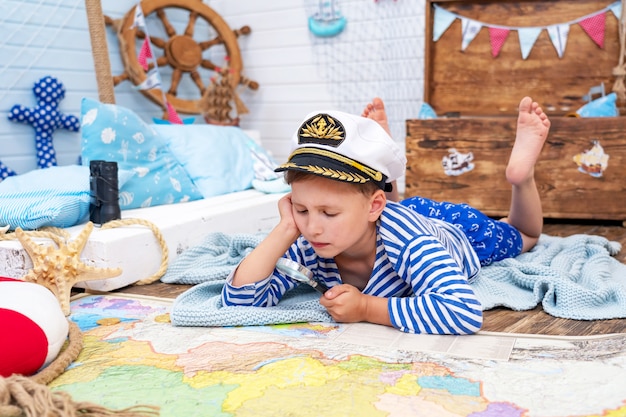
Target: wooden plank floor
[{"x": 534, "y": 321}]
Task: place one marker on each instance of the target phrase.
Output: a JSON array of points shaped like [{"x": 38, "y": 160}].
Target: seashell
[
  {"x": 141, "y": 171},
  {"x": 89, "y": 117},
  {"x": 108, "y": 135},
  {"x": 126, "y": 198},
  {"x": 176, "y": 184},
  {"x": 146, "y": 203}
]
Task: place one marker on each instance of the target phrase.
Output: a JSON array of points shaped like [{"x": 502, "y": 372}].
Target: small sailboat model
[
  {"x": 327, "y": 21},
  {"x": 592, "y": 161}
]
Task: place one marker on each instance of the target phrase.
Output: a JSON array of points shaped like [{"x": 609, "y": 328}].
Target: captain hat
[{"x": 346, "y": 147}]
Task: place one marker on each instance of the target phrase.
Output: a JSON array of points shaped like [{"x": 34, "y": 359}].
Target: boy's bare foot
[
  {"x": 376, "y": 111},
  {"x": 532, "y": 130}
]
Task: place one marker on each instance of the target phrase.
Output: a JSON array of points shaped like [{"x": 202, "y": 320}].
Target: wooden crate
[{"x": 483, "y": 92}]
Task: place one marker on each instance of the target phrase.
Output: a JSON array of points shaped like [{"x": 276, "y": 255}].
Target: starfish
[{"x": 59, "y": 269}]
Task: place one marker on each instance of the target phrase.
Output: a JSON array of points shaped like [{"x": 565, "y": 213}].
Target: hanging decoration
[
  {"x": 592, "y": 24},
  {"x": 145, "y": 57},
  {"x": 327, "y": 20}
]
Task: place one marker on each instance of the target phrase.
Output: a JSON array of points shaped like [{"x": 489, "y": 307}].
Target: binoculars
[{"x": 104, "y": 205}]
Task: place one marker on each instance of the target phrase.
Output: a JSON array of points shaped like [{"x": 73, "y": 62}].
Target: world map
[{"x": 132, "y": 355}]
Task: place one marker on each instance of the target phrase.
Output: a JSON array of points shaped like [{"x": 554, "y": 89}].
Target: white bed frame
[{"x": 135, "y": 249}]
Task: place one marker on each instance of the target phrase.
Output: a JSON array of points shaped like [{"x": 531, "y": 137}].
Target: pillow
[
  {"x": 219, "y": 159},
  {"x": 55, "y": 196},
  {"x": 115, "y": 133}
]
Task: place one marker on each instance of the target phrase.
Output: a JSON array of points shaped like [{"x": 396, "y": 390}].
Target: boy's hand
[
  {"x": 346, "y": 304},
  {"x": 285, "y": 209}
]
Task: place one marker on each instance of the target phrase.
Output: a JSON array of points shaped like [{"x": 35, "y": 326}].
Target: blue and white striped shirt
[{"x": 423, "y": 266}]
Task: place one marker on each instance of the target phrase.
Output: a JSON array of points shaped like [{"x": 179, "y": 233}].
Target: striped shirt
[{"x": 423, "y": 266}]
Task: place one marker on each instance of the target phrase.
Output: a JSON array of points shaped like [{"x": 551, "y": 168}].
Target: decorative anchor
[{"x": 45, "y": 118}]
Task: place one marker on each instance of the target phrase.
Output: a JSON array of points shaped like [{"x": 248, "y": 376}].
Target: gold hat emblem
[{"x": 322, "y": 129}]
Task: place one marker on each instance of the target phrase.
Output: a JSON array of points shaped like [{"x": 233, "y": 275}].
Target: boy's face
[{"x": 334, "y": 216}]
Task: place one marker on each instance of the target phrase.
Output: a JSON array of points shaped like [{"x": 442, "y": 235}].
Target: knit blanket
[{"x": 573, "y": 277}]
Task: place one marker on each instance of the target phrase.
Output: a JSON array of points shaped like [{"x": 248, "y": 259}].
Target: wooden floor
[{"x": 501, "y": 320}]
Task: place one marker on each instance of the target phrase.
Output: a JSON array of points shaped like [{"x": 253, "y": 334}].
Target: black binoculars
[{"x": 104, "y": 205}]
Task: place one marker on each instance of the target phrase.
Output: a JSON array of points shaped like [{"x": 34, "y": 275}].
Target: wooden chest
[{"x": 461, "y": 156}]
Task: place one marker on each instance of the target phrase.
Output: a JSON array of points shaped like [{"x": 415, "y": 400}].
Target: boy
[{"x": 402, "y": 265}]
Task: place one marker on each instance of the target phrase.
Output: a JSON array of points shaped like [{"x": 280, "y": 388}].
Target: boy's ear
[{"x": 378, "y": 202}]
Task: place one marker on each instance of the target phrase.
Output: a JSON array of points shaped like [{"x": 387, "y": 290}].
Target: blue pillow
[
  {"x": 57, "y": 196},
  {"x": 218, "y": 158},
  {"x": 114, "y": 133}
]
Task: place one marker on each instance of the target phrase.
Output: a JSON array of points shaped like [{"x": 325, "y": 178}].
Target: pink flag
[
  {"x": 497, "y": 36},
  {"x": 594, "y": 27},
  {"x": 172, "y": 116},
  {"x": 144, "y": 54}
]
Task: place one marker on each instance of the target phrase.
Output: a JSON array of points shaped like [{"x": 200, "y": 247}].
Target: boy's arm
[
  {"x": 250, "y": 284},
  {"x": 444, "y": 302},
  {"x": 260, "y": 263}
]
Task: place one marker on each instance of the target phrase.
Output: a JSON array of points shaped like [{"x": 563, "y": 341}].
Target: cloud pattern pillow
[{"x": 114, "y": 133}]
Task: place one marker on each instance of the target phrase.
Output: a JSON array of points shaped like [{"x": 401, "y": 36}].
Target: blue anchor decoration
[
  {"x": 5, "y": 171},
  {"x": 45, "y": 118}
]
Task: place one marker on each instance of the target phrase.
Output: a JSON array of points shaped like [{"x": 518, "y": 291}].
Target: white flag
[
  {"x": 527, "y": 39},
  {"x": 138, "y": 20},
  {"x": 470, "y": 30},
  {"x": 443, "y": 20},
  {"x": 616, "y": 8},
  {"x": 153, "y": 80},
  {"x": 558, "y": 36}
]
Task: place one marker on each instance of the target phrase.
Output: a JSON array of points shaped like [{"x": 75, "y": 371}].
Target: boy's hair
[{"x": 367, "y": 189}]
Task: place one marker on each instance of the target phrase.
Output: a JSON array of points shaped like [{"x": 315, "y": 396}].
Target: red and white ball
[{"x": 33, "y": 327}]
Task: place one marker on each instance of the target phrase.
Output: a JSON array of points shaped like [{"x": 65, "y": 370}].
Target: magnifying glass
[{"x": 300, "y": 273}]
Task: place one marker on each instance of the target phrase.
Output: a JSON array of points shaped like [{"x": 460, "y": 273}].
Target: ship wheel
[{"x": 181, "y": 51}]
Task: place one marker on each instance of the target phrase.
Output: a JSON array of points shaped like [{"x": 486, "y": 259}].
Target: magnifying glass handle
[{"x": 322, "y": 288}]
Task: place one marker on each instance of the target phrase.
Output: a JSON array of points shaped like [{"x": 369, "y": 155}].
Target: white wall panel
[{"x": 379, "y": 53}]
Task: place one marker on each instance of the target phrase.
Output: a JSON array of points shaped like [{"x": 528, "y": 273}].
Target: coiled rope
[{"x": 22, "y": 396}]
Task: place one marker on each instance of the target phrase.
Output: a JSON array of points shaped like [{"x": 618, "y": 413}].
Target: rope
[
  {"x": 63, "y": 359},
  {"x": 619, "y": 71},
  {"x": 160, "y": 240},
  {"x": 60, "y": 236},
  {"x": 22, "y": 396},
  {"x": 100, "y": 51}
]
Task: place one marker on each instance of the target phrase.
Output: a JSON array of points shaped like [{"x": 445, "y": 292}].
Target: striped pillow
[{"x": 57, "y": 196}]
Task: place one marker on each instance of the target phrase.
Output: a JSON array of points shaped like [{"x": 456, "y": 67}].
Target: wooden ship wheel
[{"x": 183, "y": 53}]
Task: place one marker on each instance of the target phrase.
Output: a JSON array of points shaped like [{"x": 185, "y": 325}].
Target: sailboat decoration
[
  {"x": 327, "y": 21},
  {"x": 592, "y": 161}
]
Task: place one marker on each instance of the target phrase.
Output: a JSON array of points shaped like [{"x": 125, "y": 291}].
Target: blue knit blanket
[{"x": 573, "y": 277}]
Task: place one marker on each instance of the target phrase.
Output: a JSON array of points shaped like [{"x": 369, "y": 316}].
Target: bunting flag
[
  {"x": 594, "y": 25},
  {"x": 138, "y": 19},
  {"x": 172, "y": 116},
  {"x": 443, "y": 19},
  {"x": 470, "y": 29},
  {"x": 558, "y": 36},
  {"x": 144, "y": 53},
  {"x": 153, "y": 80},
  {"x": 616, "y": 8},
  {"x": 527, "y": 38},
  {"x": 497, "y": 36}
]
